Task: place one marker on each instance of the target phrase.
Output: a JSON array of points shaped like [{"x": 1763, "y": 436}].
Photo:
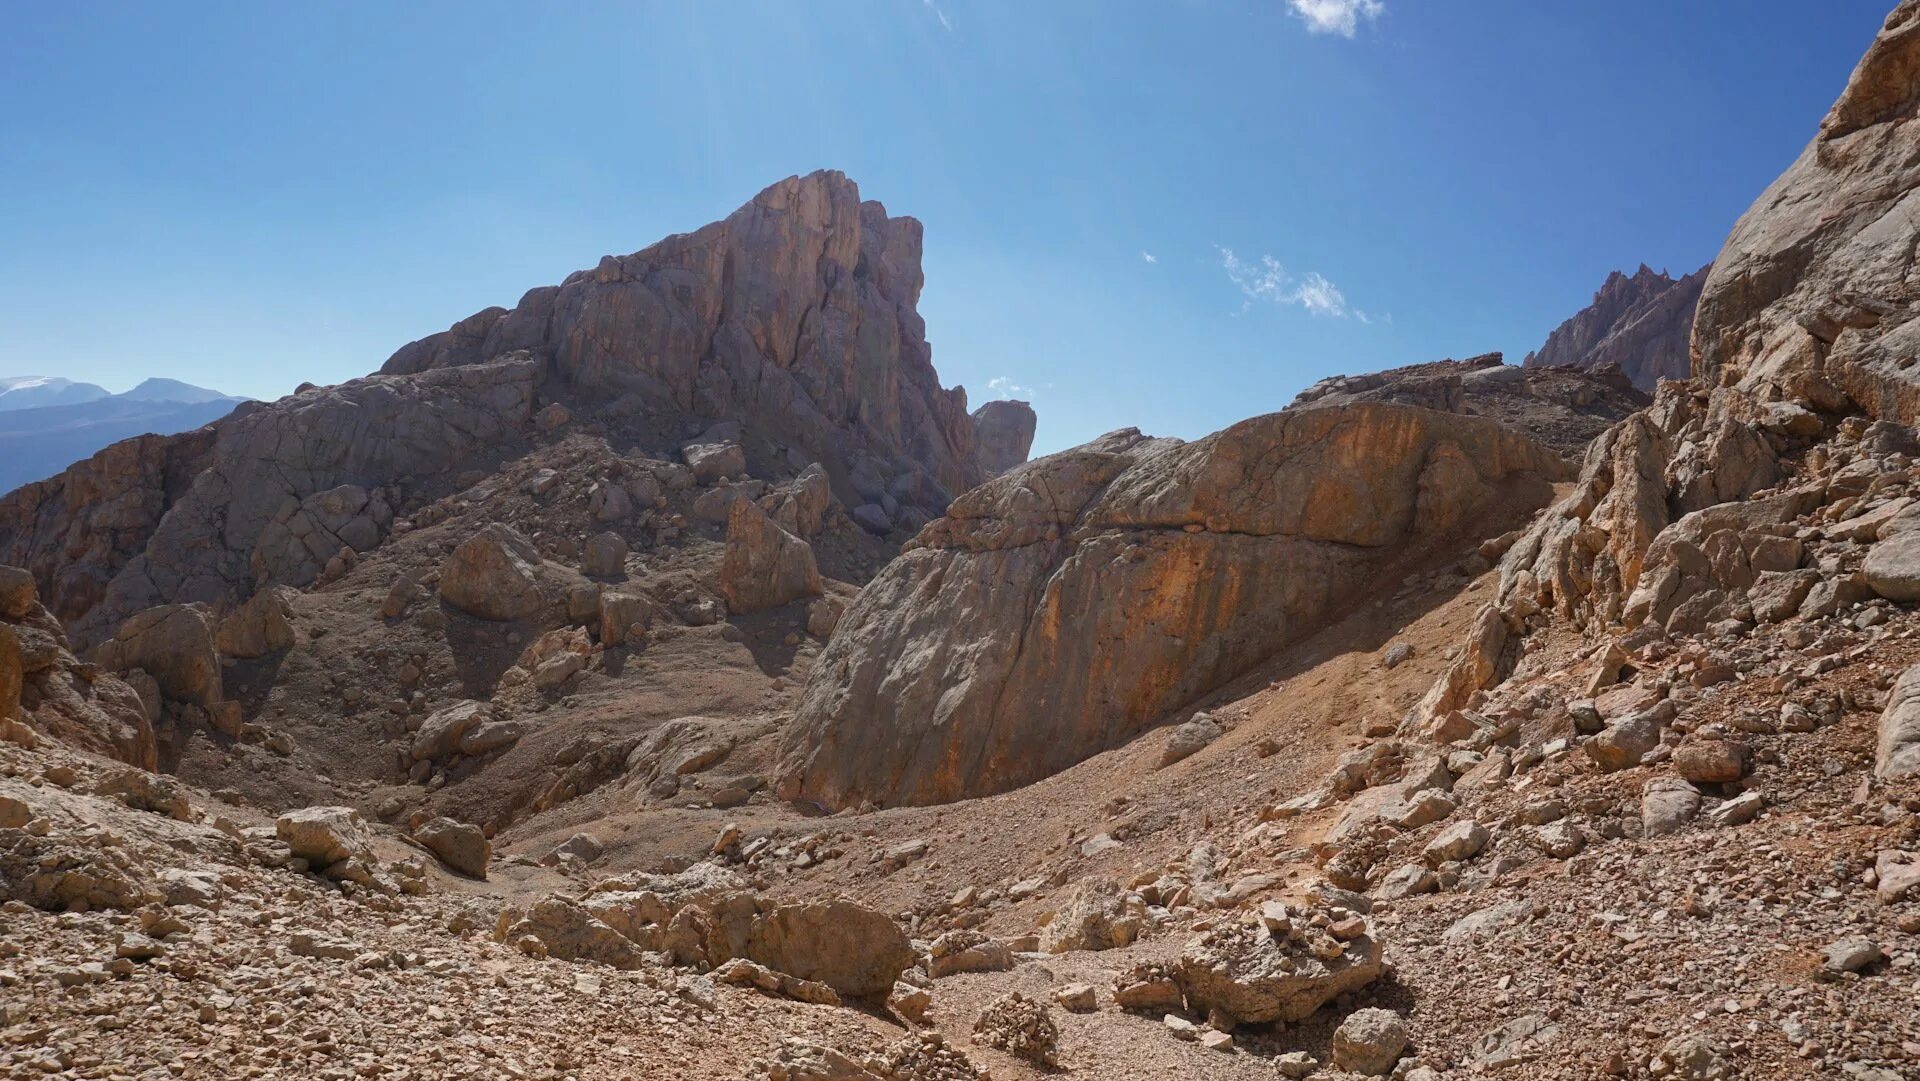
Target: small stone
[
  {"x": 1711, "y": 761},
  {"x": 1369, "y": 1042},
  {"x": 1076, "y": 998},
  {"x": 1187, "y": 739},
  {"x": 1853, "y": 955}
]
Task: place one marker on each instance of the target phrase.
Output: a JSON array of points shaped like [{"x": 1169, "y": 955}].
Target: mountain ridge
[{"x": 62, "y": 422}]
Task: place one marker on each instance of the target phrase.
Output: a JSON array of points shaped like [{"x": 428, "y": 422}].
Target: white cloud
[
  {"x": 1267, "y": 282},
  {"x": 1004, "y": 387},
  {"x": 1341, "y": 17},
  {"x": 1320, "y": 296},
  {"x": 1148, "y": 256},
  {"x": 947, "y": 23}
]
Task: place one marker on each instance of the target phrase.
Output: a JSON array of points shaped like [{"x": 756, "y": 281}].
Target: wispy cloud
[
  {"x": 1266, "y": 281},
  {"x": 1341, "y": 17},
  {"x": 1005, "y": 387},
  {"x": 947, "y": 23},
  {"x": 1149, "y": 257}
]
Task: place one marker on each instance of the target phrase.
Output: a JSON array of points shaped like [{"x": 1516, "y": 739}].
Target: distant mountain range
[{"x": 47, "y": 423}]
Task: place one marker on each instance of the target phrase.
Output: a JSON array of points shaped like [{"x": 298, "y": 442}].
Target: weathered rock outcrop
[
  {"x": 1004, "y": 431},
  {"x": 1641, "y": 324},
  {"x": 1565, "y": 408},
  {"x": 1062, "y": 608},
  {"x": 1897, "y": 751},
  {"x": 77, "y": 530},
  {"x": 1805, "y": 316},
  {"x": 1811, "y": 293}
]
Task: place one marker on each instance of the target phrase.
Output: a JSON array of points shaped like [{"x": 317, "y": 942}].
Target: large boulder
[
  {"x": 1369, "y": 1042},
  {"x": 1064, "y": 607},
  {"x": 461, "y": 846},
  {"x": 606, "y": 556},
  {"x": 563, "y": 929},
  {"x": 1095, "y": 917},
  {"x": 261, "y": 626},
  {"x": 1279, "y": 970},
  {"x": 764, "y": 566},
  {"x": 1897, "y": 755},
  {"x": 324, "y": 836},
  {"x": 1004, "y": 432},
  {"x": 853, "y": 949},
  {"x": 174, "y": 644},
  {"x": 1667, "y": 804},
  {"x": 442, "y": 733},
  {"x": 1892, "y": 567},
  {"x": 495, "y": 574},
  {"x": 964, "y": 950}
]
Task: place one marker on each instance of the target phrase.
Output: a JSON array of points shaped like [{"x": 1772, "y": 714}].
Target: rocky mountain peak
[
  {"x": 795, "y": 315},
  {"x": 1640, "y": 323},
  {"x": 790, "y": 327}
]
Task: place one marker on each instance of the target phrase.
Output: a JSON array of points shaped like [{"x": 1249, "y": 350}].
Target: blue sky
[{"x": 249, "y": 196}]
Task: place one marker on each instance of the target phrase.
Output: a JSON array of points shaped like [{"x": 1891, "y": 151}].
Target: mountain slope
[
  {"x": 788, "y": 332},
  {"x": 35, "y": 391},
  {"x": 157, "y": 389}
]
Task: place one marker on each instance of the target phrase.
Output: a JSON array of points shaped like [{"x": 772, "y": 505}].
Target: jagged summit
[
  {"x": 795, "y": 315},
  {"x": 1640, "y": 323}
]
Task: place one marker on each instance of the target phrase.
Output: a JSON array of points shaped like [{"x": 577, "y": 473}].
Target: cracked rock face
[
  {"x": 1815, "y": 280},
  {"x": 1060, "y": 609}
]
